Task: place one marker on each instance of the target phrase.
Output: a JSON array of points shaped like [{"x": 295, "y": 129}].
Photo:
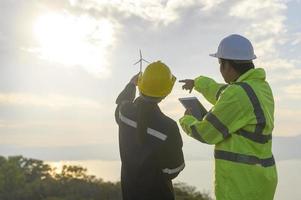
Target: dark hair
[{"x": 240, "y": 66}]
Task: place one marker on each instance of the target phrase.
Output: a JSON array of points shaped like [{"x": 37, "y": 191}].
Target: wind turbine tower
[{"x": 141, "y": 60}]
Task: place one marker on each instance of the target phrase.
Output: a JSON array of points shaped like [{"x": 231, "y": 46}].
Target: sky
[{"x": 64, "y": 62}]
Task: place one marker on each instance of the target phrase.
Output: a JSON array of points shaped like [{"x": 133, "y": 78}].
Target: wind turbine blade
[
  {"x": 140, "y": 53},
  {"x": 145, "y": 60},
  {"x": 137, "y": 62}
]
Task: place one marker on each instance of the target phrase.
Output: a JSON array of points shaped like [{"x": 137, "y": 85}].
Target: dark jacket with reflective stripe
[{"x": 147, "y": 168}]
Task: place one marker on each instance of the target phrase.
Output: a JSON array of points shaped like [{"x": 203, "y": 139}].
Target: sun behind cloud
[{"x": 75, "y": 41}]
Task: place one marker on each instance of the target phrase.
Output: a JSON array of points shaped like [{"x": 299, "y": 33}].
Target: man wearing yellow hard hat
[
  {"x": 150, "y": 143},
  {"x": 240, "y": 124}
]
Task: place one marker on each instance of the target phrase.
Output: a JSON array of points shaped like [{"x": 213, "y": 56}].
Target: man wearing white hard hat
[{"x": 239, "y": 124}]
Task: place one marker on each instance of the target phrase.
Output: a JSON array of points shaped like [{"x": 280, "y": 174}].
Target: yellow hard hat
[{"x": 156, "y": 81}]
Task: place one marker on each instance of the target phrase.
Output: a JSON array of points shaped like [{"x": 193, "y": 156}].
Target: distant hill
[
  {"x": 284, "y": 148},
  {"x": 24, "y": 178}
]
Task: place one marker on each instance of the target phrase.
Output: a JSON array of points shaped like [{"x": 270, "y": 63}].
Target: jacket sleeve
[
  {"x": 127, "y": 95},
  {"x": 225, "y": 118},
  {"x": 172, "y": 159},
  {"x": 209, "y": 88}
]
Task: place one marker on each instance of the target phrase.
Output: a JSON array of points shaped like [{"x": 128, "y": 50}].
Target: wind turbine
[{"x": 140, "y": 61}]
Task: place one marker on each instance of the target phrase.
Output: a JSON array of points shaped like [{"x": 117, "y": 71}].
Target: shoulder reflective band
[
  {"x": 245, "y": 159},
  {"x": 150, "y": 131},
  {"x": 157, "y": 134},
  {"x": 174, "y": 170},
  {"x": 196, "y": 135},
  {"x": 256, "y": 105},
  {"x": 260, "y": 138},
  {"x": 127, "y": 121},
  {"x": 217, "y": 124},
  {"x": 220, "y": 91}
]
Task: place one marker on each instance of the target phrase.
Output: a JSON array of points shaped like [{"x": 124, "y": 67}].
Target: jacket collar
[
  {"x": 140, "y": 100},
  {"x": 257, "y": 73}
]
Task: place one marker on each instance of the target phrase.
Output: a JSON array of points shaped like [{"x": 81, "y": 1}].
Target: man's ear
[{"x": 228, "y": 67}]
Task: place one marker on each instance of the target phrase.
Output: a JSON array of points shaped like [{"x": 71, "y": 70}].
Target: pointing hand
[{"x": 189, "y": 84}]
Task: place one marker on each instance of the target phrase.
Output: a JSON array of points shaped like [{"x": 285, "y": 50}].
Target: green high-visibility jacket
[{"x": 240, "y": 125}]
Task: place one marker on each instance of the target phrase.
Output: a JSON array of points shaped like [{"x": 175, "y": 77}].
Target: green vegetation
[{"x": 23, "y": 179}]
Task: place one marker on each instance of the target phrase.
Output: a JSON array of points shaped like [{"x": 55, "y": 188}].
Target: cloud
[
  {"x": 149, "y": 10},
  {"x": 256, "y": 9},
  {"x": 156, "y": 11},
  {"x": 286, "y": 123},
  {"x": 182, "y": 33},
  {"x": 2, "y": 37},
  {"x": 264, "y": 24},
  {"x": 54, "y": 101},
  {"x": 267, "y": 29},
  {"x": 75, "y": 41},
  {"x": 281, "y": 71},
  {"x": 293, "y": 91},
  {"x": 49, "y": 31},
  {"x": 296, "y": 39},
  {"x": 3, "y": 123}
]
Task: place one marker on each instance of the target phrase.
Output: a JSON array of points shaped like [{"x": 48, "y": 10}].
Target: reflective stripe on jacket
[
  {"x": 240, "y": 125},
  {"x": 148, "y": 167}
]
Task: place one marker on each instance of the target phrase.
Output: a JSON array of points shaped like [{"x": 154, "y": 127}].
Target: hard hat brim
[
  {"x": 213, "y": 55},
  {"x": 217, "y": 56}
]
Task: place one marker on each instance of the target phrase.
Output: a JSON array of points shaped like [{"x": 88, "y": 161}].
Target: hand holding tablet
[{"x": 194, "y": 106}]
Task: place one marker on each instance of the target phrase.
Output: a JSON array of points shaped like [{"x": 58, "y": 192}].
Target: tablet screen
[{"x": 192, "y": 103}]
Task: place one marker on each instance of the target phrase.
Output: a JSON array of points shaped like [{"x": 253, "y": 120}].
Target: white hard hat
[{"x": 235, "y": 47}]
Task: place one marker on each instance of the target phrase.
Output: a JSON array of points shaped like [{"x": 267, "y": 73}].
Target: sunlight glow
[
  {"x": 57, "y": 166},
  {"x": 74, "y": 41}
]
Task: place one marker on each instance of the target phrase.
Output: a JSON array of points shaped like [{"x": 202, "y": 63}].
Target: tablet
[{"x": 192, "y": 103}]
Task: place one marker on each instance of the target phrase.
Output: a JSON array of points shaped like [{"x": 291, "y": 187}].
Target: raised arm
[
  {"x": 127, "y": 95},
  {"x": 224, "y": 119},
  {"x": 210, "y": 89}
]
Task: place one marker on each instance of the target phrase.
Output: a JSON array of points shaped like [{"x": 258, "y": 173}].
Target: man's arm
[
  {"x": 127, "y": 95},
  {"x": 225, "y": 118},
  {"x": 210, "y": 89},
  {"x": 207, "y": 86},
  {"x": 172, "y": 159}
]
